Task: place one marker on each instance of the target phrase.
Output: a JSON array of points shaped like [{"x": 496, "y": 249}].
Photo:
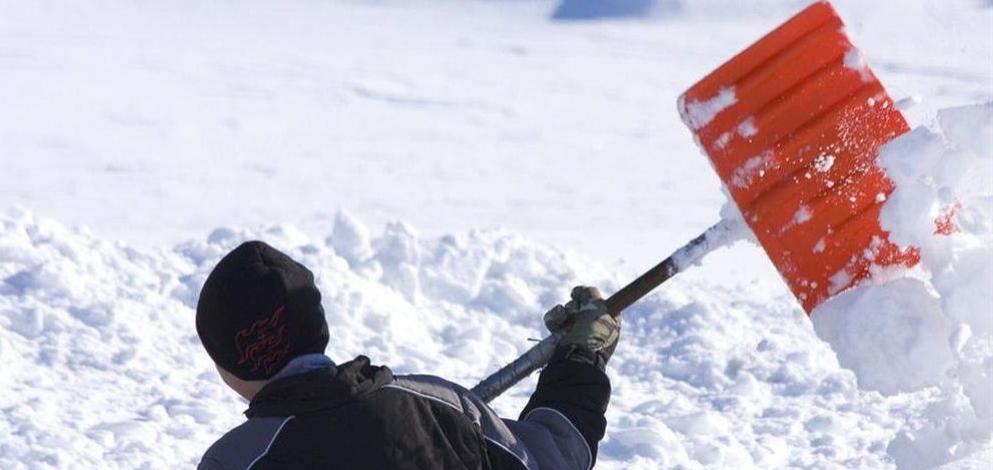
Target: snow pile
[
  {"x": 893, "y": 336},
  {"x": 706, "y": 379},
  {"x": 719, "y": 368},
  {"x": 103, "y": 367},
  {"x": 99, "y": 357},
  {"x": 934, "y": 328}
]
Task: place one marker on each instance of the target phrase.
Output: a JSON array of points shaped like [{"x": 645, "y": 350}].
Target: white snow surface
[
  {"x": 104, "y": 366},
  {"x": 932, "y": 328},
  {"x": 698, "y": 114},
  {"x": 139, "y": 141},
  {"x": 854, "y": 60}
]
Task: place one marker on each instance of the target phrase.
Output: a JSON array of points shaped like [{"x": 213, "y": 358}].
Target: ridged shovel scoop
[{"x": 793, "y": 125}]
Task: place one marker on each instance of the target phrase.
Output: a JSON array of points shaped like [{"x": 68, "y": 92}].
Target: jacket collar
[
  {"x": 303, "y": 364},
  {"x": 324, "y": 388}
]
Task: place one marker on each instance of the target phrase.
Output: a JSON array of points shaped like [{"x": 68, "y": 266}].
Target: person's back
[{"x": 307, "y": 412}]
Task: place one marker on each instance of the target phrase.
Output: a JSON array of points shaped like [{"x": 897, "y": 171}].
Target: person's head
[{"x": 258, "y": 310}]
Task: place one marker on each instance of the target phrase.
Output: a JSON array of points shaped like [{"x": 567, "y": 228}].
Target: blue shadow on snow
[{"x": 596, "y": 9}]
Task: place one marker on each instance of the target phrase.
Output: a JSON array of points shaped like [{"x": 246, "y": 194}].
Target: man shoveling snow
[{"x": 260, "y": 319}]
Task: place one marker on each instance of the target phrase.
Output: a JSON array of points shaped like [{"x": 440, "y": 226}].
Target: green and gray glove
[{"x": 589, "y": 332}]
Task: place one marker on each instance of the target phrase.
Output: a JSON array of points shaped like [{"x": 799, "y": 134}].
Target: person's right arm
[{"x": 564, "y": 420}]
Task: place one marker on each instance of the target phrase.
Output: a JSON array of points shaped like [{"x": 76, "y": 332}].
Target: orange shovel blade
[{"x": 793, "y": 125}]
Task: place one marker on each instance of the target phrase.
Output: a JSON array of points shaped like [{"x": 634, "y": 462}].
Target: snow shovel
[{"x": 793, "y": 126}]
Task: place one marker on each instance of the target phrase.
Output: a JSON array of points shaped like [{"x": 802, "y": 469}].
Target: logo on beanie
[{"x": 263, "y": 344}]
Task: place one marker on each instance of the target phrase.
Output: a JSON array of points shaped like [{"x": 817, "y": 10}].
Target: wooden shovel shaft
[{"x": 536, "y": 357}]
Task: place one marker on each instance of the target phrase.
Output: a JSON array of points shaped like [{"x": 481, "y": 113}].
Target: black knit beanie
[{"x": 258, "y": 310}]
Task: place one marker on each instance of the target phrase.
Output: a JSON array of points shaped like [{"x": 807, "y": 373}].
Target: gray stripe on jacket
[
  {"x": 244, "y": 445},
  {"x": 544, "y": 440}
]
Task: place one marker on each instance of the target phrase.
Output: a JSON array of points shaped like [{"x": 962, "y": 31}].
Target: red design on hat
[{"x": 263, "y": 344}]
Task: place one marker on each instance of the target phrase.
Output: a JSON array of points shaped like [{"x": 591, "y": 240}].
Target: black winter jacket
[{"x": 356, "y": 416}]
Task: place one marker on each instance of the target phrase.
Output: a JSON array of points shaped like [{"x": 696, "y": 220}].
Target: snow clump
[
  {"x": 934, "y": 328},
  {"x": 697, "y": 114},
  {"x": 103, "y": 368}
]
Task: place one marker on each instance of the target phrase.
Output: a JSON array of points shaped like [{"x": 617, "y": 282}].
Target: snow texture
[
  {"x": 802, "y": 215},
  {"x": 697, "y": 114},
  {"x": 854, "y": 60},
  {"x": 933, "y": 330},
  {"x": 823, "y": 163},
  {"x": 729, "y": 230},
  {"x": 92, "y": 325},
  {"x": 175, "y": 130},
  {"x": 104, "y": 367},
  {"x": 750, "y": 169},
  {"x": 747, "y": 128}
]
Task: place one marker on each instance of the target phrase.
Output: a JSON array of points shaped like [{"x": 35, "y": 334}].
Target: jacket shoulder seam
[
  {"x": 439, "y": 400},
  {"x": 271, "y": 441},
  {"x": 424, "y": 395},
  {"x": 507, "y": 450}
]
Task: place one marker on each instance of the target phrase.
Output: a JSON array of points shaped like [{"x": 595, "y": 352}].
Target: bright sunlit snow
[{"x": 449, "y": 169}]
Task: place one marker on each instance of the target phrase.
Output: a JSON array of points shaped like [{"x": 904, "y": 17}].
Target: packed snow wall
[
  {"x": 931, "y": 328},
  {"x": 103, "y": 367}
]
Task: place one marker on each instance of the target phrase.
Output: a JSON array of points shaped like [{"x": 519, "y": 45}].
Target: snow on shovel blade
[{"x": 793, "y": 125}]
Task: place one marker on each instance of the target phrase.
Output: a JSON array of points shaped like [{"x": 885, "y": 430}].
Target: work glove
[{"x": 589, "y": 332}]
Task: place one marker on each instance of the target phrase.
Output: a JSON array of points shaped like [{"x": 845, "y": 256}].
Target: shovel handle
[
  {"x": 536, "y": 357},
  {"x": 641, "y": 286}
]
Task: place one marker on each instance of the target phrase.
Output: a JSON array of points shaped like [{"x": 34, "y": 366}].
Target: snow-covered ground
[{"x": 524, "y": 154}]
